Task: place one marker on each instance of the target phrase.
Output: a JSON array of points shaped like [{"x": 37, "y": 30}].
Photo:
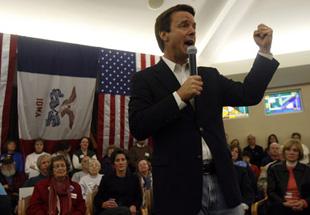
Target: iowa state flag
[{"x": 56, "y": 88}]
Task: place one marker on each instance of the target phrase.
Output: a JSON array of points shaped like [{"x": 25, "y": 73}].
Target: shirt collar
[{"x": 173, "y": 66}]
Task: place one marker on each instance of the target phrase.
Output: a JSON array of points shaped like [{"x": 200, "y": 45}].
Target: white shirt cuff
[
  {"x": 269, "y": 56},
  {"x": 179, "y": 101}
]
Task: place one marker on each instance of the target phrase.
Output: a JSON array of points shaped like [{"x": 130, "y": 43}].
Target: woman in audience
[
  {"x": 146, "y": 182},
  {"x": 57, "y": 194},
  {"x": 31, "y": 168},
  {"x": 90, "y": 182},
  {"x": 237, "y": 159},
  {"x": 235, "y": 142},
  {"x": 289, "y": 182},
  {"x": 10, "y": 149},
  {"x": 120, "y": 191},
  {"x": 106, "y": 163},
  {"x": 84, "y": 151},
  {"x": 78, "y": 175},
  {"x": 64, "y": 148}
]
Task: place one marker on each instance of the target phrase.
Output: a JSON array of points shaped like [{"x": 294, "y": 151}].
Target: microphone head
[{"x": 191, "y": 50}]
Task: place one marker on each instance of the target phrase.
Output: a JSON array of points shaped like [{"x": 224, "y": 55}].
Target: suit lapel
[{"x": 166, "y": 77}]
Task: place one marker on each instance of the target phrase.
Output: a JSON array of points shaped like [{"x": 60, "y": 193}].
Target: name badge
[{"x": 73, "y": 195}]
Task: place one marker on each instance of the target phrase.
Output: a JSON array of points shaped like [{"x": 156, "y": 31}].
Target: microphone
[{"x": 191, "y": 51}]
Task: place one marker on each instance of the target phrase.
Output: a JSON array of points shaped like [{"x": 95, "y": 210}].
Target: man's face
[
  {"x": 251, "y": 140},
  {"x": 274, "y": 149},
  {"x": 182, "y": 34}
]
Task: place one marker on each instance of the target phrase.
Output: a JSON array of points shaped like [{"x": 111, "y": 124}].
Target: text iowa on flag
[
  {"x": 116, "y": 69},
  {"x": 56, "y": 86}
]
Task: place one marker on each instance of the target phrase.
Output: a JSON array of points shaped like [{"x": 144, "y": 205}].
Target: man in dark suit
[{"x": 192, "y": 168}]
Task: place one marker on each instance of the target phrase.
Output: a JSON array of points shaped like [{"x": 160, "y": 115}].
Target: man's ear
[{"x": 164, "y": 36}]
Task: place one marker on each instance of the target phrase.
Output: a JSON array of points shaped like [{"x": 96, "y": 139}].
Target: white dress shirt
[{"x": 181, "y": 73}]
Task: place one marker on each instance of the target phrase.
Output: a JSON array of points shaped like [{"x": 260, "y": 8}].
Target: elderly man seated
[{"x": 11, "y": 179}]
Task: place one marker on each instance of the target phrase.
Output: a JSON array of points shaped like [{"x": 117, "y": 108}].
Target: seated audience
[
  {"x": 57, "y": 194},
  {"x": 120, "y": 191},
  {"x": 11, "y": 179},
  {"x": 237, "y": 160},
  {"x": 146, "y": 182},
  {"x": 141, "y": 150},
  {"x": 306, "y": 157},
  {"x": 84, "y": 151},
  {"x": 10, "y": 149},
  {"x": 246, "y": 157},
  {"x": 90, "y": 182},
  {"x": 43, "y": 163},
  {"x": 106, "y": 163},
  {"x": 273, "y": 153},
  {"x": 31, "y": 168},
  {"x": 289, "y": 182},
  {"x": 76, "y": 177},
  {"x": 256, "y": 151},
  {"x": 64, "y": 149}
]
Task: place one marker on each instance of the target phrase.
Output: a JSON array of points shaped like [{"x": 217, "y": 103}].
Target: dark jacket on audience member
[
  {"x": 247, "y": 192},
  {"x": 257, "y": 154},
  {"x": 125, "y": 190},
  {"x": 278, "y": 176},
  {"x": 31, "y": 182}
]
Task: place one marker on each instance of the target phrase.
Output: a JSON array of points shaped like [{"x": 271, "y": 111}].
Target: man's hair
[
  {"x": 163, "y": 21},
  {"x": 296, "y": 134}
]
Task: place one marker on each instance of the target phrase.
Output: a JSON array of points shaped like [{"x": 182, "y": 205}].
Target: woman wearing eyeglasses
[{"x": 57, "y": 194}]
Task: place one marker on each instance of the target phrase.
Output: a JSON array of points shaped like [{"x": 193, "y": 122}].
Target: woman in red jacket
[{"x": 57, "y": 194}]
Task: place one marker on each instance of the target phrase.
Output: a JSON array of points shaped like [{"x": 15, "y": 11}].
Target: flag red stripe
[
  {"x": 100, "y": 123},
  {"x": 112, "y": 120},
  {"x": 122, "y": 121},
  {"x": 143, "y": 61},
  {"x": 152, "y": 60},
  {"x": 9, "y": 89}
]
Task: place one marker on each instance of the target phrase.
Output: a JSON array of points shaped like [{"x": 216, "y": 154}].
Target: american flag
[
  {"x": 7, "y": 69},
  {"x": 116, "y": 70}
]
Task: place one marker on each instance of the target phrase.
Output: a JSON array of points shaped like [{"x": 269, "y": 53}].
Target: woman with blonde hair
[{"x": 289, "y": 182}]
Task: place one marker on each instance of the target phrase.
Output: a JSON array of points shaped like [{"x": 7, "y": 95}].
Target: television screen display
[
  {"x": 282, "y": 102},
  {"x": 235, "y": 112}
]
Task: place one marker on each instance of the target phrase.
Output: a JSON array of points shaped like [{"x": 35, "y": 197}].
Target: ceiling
[{"x": 224, "y": 29}]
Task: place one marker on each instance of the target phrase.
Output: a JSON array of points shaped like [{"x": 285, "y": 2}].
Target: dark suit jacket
[{"x": 177, "y": 159}]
